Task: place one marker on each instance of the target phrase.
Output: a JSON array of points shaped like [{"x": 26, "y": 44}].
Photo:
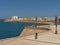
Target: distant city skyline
[{"x": 29, "y": 8}]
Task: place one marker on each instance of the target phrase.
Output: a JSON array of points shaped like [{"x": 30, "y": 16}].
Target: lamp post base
[{"x": 55, "y": 32}]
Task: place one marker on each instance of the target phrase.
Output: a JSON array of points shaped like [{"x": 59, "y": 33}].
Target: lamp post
[{"x": 56, "y": 18}]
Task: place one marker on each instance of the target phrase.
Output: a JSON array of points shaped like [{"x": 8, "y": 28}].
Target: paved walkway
[
  {"x": 22, "y": 41},
  {"x": 46, "y": 38}
]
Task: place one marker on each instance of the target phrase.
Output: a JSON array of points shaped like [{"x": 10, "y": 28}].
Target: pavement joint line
[
  {"x": 32, "y": 34},
  {"x": 42, "y": 41}
]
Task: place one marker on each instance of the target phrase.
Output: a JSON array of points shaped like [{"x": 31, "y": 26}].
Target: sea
[{"x": 12, "y": 29}]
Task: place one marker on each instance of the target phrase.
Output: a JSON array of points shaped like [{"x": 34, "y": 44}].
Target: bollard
[{"x": 36, "y": 35}]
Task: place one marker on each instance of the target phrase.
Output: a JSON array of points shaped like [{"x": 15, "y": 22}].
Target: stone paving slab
[{"x": 47, "y": 37}]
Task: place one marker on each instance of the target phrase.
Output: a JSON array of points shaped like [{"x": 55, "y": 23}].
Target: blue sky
[{"x": 29, "y": 8}]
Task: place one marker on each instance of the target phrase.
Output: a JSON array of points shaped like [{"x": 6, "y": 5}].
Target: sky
[{"x": 29, "y": 8}]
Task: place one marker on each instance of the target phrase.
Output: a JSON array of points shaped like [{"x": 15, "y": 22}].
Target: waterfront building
[
  {"x": 28, "y": 19},
  {"x": 14, "y": 18},
  {"x": 39, "y": 19}
]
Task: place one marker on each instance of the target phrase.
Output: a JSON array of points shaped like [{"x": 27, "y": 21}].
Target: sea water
[{"x": 12, "y": 29}]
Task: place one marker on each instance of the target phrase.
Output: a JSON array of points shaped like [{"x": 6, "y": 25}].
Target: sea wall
[{"x": 32, "y": 30}]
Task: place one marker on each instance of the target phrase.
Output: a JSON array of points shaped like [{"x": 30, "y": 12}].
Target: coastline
[
  {"x": 20, "y": 39},
  {"x": 29, "y": 30}
]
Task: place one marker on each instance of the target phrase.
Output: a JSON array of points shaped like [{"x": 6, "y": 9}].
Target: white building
[
  {"x": 39, "y": 19},
  {"x": 14, "y": 18},
  {"x": 20, "y": 18}
]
